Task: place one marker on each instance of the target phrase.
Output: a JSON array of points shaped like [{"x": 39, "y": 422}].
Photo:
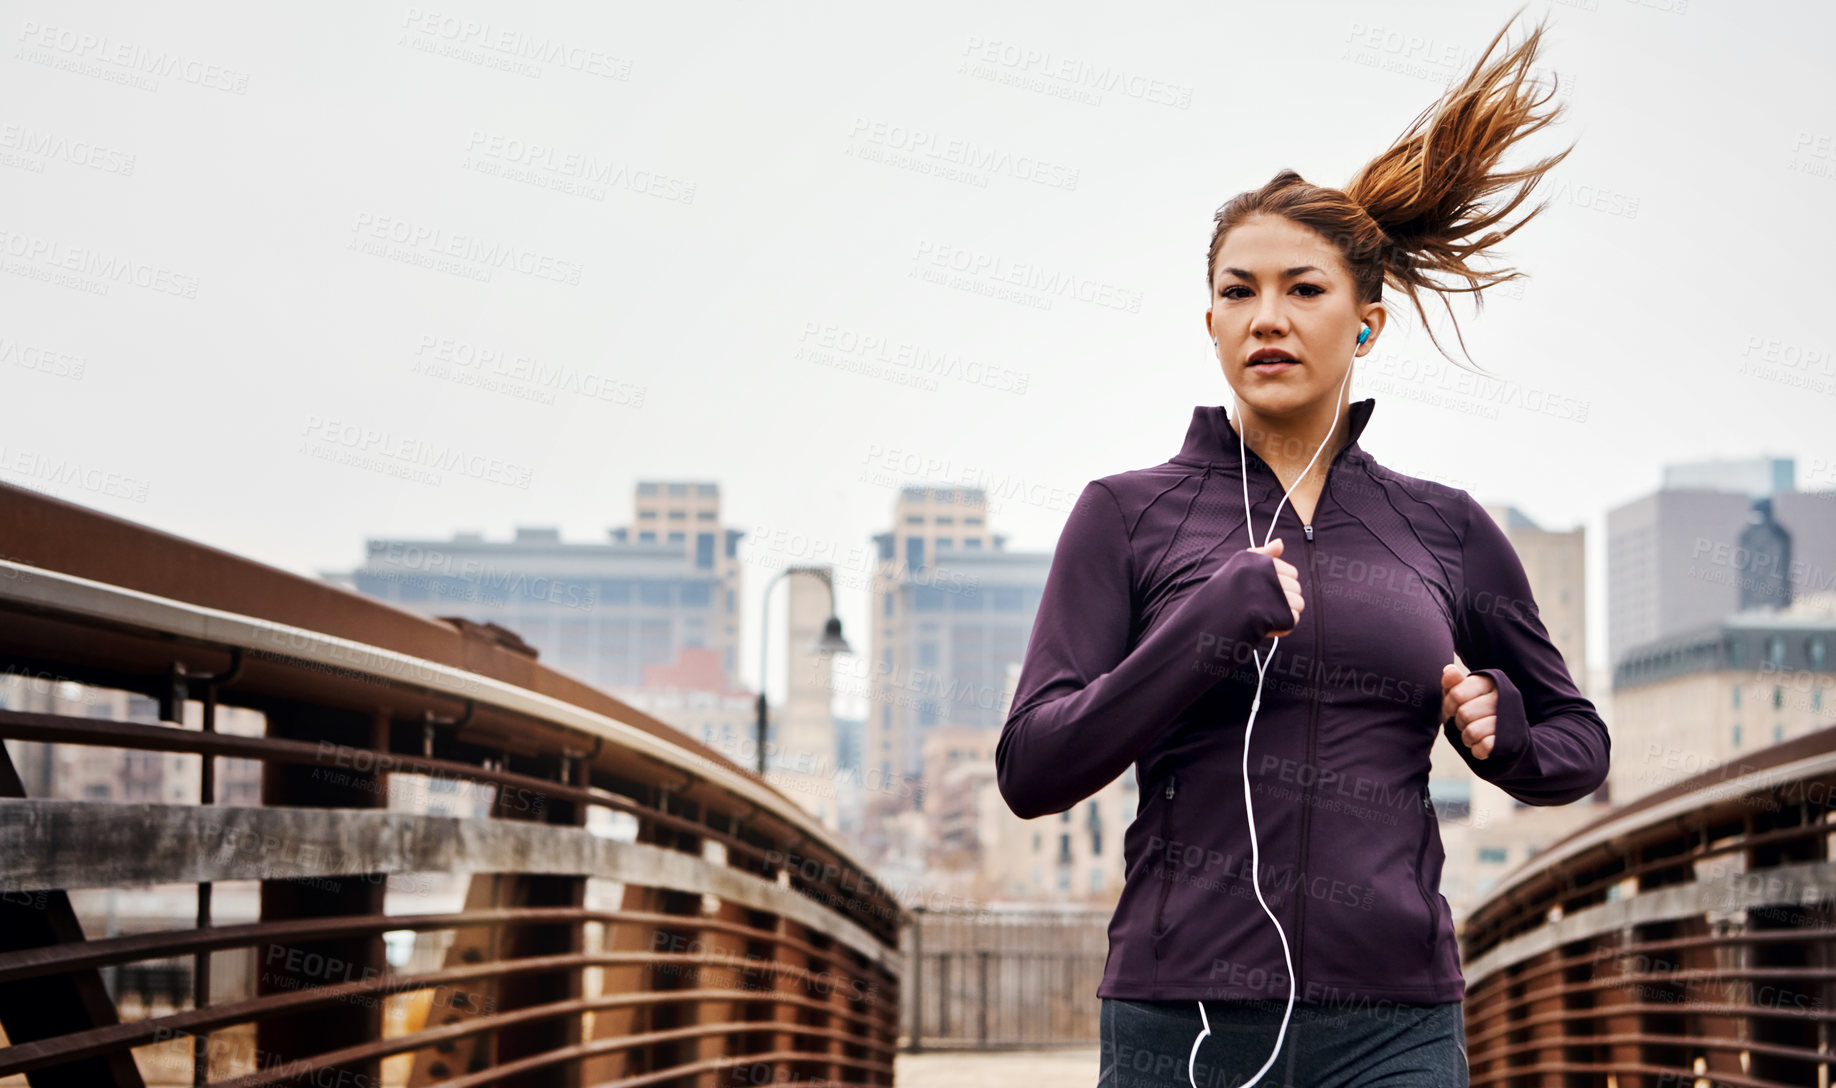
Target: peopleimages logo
[
  {"x": 427, "y": 239},
  {"x": 407, "y": 451},
  {"x": 129, "y": 62},
  {"x": 100, "y": 266}
]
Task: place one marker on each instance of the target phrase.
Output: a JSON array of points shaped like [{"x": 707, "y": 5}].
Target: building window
[
  {"x": 1775, "y": 650},
  {"x": 1096, "y": 881},
  {"x": 648, "y": 536},
  {"x": 1736, "y": 696},
  {"x": 704, "y": 550},
  {"x": 1815, "y": 650},
  {"x": 1492, "y": 855},
  {"x": 914, "y": 553},
  {"x": 887, "y": 603},
  {"x": 1778, "y": 732},
  {"x": 1817, "y": 699},
  {"x": 1737, "y": 734},
  {"x": 1778, "y": 698}
]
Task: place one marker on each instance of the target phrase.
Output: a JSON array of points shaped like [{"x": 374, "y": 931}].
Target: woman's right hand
[{"x": 1290, "y": 581}]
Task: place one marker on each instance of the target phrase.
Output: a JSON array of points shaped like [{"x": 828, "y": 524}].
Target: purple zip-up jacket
[{"x": 1141, "y": 654}]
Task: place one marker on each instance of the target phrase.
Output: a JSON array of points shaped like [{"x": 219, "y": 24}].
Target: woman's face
[{"x": 1279, "y": 288}]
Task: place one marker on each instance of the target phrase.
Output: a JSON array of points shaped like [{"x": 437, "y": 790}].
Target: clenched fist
[
  {"x": 1472, "y": 701},
  {"x": 1290, "y": 581}
]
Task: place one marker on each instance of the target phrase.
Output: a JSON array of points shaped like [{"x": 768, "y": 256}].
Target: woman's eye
[{"x": 1312, "y": 290}]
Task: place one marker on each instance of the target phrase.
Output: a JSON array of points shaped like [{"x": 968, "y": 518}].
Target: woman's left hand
[{"x": 1472, "y": 701}]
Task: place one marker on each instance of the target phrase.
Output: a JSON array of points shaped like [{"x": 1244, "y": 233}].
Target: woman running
[{"x": 1265, "y": 627}]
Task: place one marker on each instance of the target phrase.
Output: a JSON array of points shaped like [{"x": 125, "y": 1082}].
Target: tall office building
[
  {"x": 951, "y": 610},
  {"x": 1720, "y": 537},
  {"x": 654, "y": 594},
  {"x": 1756, "y": 477},
  {"x": 1709, "y": 698}
]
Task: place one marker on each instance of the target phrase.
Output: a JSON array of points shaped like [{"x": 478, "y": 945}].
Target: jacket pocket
[
  {"x": 1429, "y": 899},
  {"x": 1167, "y": 850}
]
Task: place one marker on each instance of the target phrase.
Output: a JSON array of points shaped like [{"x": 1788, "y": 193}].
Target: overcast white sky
[{"x": 239, "y": 169}]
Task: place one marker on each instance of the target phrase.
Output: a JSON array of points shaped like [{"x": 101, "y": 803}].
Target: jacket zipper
[
  {"x": 1421, "y": 875},
  {"x": 1313, "y": 715},
  {"x": 1166, "y": 842},
  {"x": 1313, "y": 721}
]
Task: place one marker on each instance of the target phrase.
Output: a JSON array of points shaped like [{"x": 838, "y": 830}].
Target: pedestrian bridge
[{"x": 631, "y": 908}]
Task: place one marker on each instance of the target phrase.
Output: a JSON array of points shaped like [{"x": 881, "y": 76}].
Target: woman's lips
[{"x": 1272, "y": 368}]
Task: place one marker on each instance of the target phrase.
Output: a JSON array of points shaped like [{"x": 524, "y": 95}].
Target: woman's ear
[{"x": 1373, "y": 317}]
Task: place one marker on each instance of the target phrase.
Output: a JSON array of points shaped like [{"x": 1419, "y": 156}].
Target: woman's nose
[{"x": 1270, "y": 315}]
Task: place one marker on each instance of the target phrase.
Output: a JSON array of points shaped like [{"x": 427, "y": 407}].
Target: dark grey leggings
[{"x": 1147, "y": 1044}]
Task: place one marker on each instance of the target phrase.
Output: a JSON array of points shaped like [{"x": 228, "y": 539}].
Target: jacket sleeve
[
  {"x": 1087, "y": 705},
  {"x": 1550, "y": 746}
]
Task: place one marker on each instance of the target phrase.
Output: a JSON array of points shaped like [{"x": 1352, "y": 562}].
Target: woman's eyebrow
[{"x": 1245, "y": 274}]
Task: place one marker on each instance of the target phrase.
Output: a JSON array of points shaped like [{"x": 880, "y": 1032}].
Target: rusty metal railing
[
  {"x": 728, "y": 939},
  {"x": 992, "y": 979},
  {"x": 1686, "y": 939}
]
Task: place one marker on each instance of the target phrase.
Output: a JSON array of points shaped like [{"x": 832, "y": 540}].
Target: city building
[
  {"x": 1719, "y": 537},
  {"x": 1703, "y": 699},
  {"x": 952, "y": 609},
  {"x": 603, "y": 612}
]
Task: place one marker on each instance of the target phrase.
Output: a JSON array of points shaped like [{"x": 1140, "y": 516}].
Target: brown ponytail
[{"x": 1410, "y": 215}]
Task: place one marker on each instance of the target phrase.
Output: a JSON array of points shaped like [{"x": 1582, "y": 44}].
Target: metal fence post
[
  {"x": 982, "y": 1013},
  {"x": 917, "y": 969}
]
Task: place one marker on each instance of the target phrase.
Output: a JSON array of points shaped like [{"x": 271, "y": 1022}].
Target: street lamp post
[{"x": 829, "y": 644}]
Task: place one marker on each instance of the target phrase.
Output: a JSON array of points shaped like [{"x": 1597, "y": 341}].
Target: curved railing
[
  {"x": 1686, "y": 939},
  {"x": 729, "y": 938}
]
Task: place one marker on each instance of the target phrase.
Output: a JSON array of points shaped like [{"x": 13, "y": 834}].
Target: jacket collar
[{"x": 1212, "y": 441}]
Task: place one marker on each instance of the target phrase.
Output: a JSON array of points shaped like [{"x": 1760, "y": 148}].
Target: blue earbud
[{"x": 1364, "y": 334}]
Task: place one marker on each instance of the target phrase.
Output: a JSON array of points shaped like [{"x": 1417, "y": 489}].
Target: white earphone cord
[{"x": 1262, "y": 665}]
